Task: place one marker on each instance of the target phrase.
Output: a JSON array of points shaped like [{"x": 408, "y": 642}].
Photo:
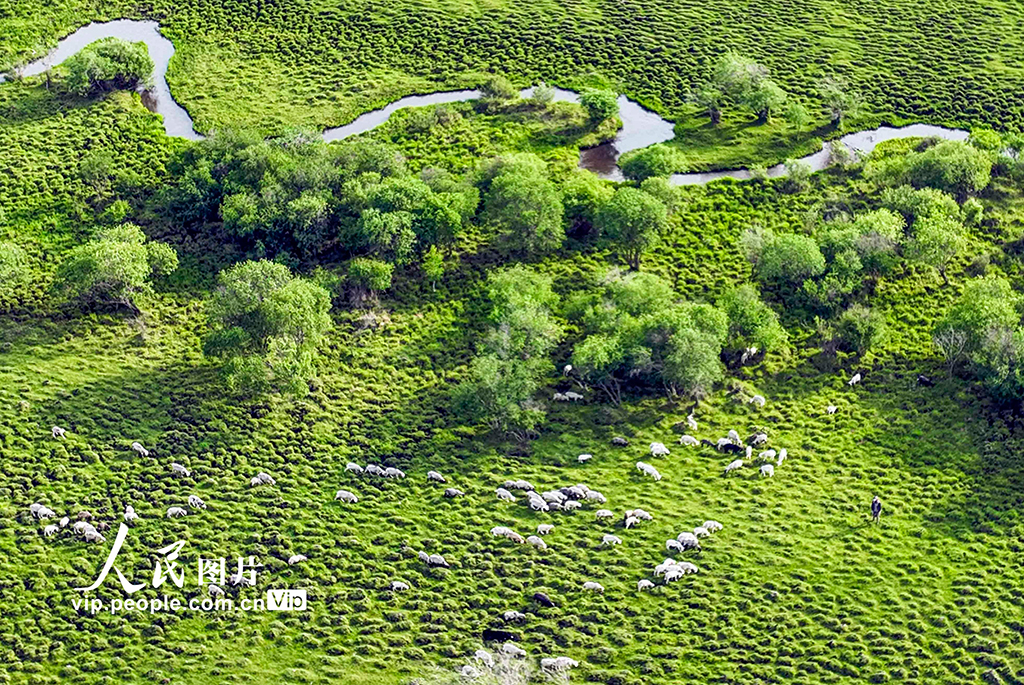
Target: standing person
[{"x": 876, "y": 509}]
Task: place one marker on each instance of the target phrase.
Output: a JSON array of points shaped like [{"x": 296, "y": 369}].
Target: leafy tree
[
  {"x": 860, "y": 329},
  {"x": 752, "y": 323},
  {"x": 796, "y": 114},
  {"x": 648, "y": 162},
  {"x": 937, "y": 240},
  {"x": 841, "y": 102},
  {"x": 786, "y": 259},
  {"x": 583, "y": 195},
  {"x": 744, "y": 81},
  {"x": 14, "y": 270},
  {"x": 600, "y": 104},
  {"x": 433, "y": 266},
  {"x": 633, "y": 220},
  {"x": 798, "y": 175},
  {"x": 709, "y": 99},
  {"x": 525, "y": 203},
  {"x": 499, "y": 88},
  {"x": 268, "y": 325},
  {"x": 971, "y": 212},
  {"x": 765, "y": 98},
  {"x": 915, "y": 203},
  {"x": 951, "y": 166},
  {"x": 110, "y": 63},
  {"x": 390, "y": 235},
  {"x": 985, "y": 304},
  {"x": 114, "y": 268},
  {"x": 369, "y": 277},
  {"x": 662, "y": 189}
]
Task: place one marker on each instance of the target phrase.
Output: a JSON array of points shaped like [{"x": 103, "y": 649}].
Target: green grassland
[{"x": 798, "y": 587}]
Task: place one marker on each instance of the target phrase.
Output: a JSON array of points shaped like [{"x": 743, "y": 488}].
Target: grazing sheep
[
  {"x": 782, "y": 456},
  {"x": 831, "y": 409},
  {"x": 712, "y": 526},
  {"x": 673, "y": 574},
  {"x": 558, "y": 663},
  {"x": 346, "y": 496},
  {"x": 573, "y": 396},
  {"x": 567, "y": 369},
  {"x": 538, "y": 504},
  {"x": 544, "y": 528},
  {"x": 82, "y": 527},
  {"x": 595, "y": 496},
  {"x": 767, "y": 470},
  {"x": 296, "y": 558},
  {"x": 758, "y": 438},
  {"x": 179, "y": 470},
  {"x": 750, "y": 451},
  {"x": 58, "y": 432},
  {"x": 94, "y": 536},
  {"x": 374, "y": 470},
  {"x": 594, "y": 587},
  {"x": 137, "y": 446},
  {"x": 691, "y": 421},
  {"x": 734, "y": 437},
  {"x": 701, "y": 532},
  {"x": 499, "y": 531},
  {"x": 513, "y": 617},
  {"x": 354, "y": 468},
  {"x": 603, "y": 514},
  {"x": 571, "y": 505},
  {"x": 469, "y": 671},
  {"x": 738, "y": 464},
  {"x": 45, "y": 513},
  {"x": 688, "y": 567},
  {"x": 536, "y": 542},
  {"x": 553, "y": 496},
  {"x": 855, "y": 379},
  {"x": 642, "y": 515},
  {"x": 575, "y": 492},
  {"x": 524, "y": 485},
  {"x": 644, "y": 585},
  {"x": 437, "y": 560},
  {"x": 559, "y": 397},
  {"x": 688, "y": 540},
  {"x": 241, "y": 579},
  {"x": 504, "y": 495},
  {"x": 436, "y": 477},
  {"x": 583, "y": 458},
  {"x": 688, "y": 440},
  {"x": 64, "y": 522},
  {"x": 659, "y": 450},
  {"x": 195, "y": 502},
  {"x": 51, "y": 529},
  {"x": 398, "y": 586},
  {"x": 758, "y": 400},
  {"x": 514, "y": 650},
  {"x": 392, "y": 472},
  {"x": 767, "y": 455},
  {"x": 541, "y": 598},
  {"x": 453, "y": 492},
  {"x": 648, "y": 470},
  {"x": 215, "y": 590},
  {"x": 620, "y": 442},
  {"x": 129, "y": 514},
  {"x": 664, "y": 566},
  {"x": 423, "y": 556},
  {"x": 609, "y": 539},
  {"x": 673, "y": 546},
  {"x": 176, "y": 512},
  {"x": 255, "y": 482},
  {"x": 630, "y": 522}
]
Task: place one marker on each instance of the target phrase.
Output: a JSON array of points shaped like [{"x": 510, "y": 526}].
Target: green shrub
[
  {"x": 106, "y": 64},
  {"x": 656, "y": 160},
  {"x": 860, "y": 329},
  {"x": 600, "y": 104}
]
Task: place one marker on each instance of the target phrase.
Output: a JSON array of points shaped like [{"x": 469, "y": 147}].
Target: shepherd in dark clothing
[{"x": 876, "y": 509}]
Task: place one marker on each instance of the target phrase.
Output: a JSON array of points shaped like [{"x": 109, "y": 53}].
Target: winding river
[{"x": 640, "y": 127}]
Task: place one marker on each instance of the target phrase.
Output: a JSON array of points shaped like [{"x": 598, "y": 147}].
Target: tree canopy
[
  {"x": 633, "y": 220},
  {"x": 110, "y": 63}
]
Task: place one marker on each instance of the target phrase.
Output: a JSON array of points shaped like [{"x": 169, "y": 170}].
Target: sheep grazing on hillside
[
  {"x": 64, "y": 522},
  {"x": 758, "y": 438},
  {"x": 688, "y": 440},
  {"x": 571, "y": 505},
  {"x": 567, "y": 369},
  {"x": 712, "y": 526},
  {"x": 591, "y": 586},
  {"x": 701, "y": 532},
  {"x": 453, "y": 492},
  {"x": 734, "y": 437},
  {"x": 855, "y": 379},
  {"x": 758, "y": 400},
  {"x": 560, "y": 397},
  {"x": 782, "y": 456},
  {"x": 595, "y": 496},
  {"x": 767, "y": 455},
  {"x": 195, "y": 502},
  {"x": 644, "y": 585},
  {"x": 524, "y": 485},
  {"x": 553, "y": 496},
  {"x": 738, "y": 464},
  {"x": 499, "y": 531},
  {"x": 831, "y": 409},
  {"x": 51, "y": 529},
  {"x": 266, "y": 478},
  {"x": 94, "y": 536},
  {"x": 609, "y": 539},
  {"x": 297, "y": 558},
  {"x": 436, "y": 477},
  {"x": 630, "y": 521},
  {"x": 767, "y": 470},
  {"x": 583, "y": 458},
  {"x": 82, "y": 527},
  {"x": 659, "y": 450},
  {"x": 374, "y": 470},
  {"x": 398, "y": 586},
  {"x": 651, "y": 471},
  {"x": 129, "y": 514},
  {"x": 514, "y": 650},
  {"x": 544, "y": 528},
  {"x": 688, "y": 567},
  {"x": 179, "y": 470},
  {"x": 620, "y": 441},
  {"x": 750, "y": 451},
  {"x": 354, "y": 468},
  {"x": 536, "y": 542},
  {"x": 558, "y": 663},
  {"x": 573, "y": 396},
  {"x": 215, "y": 590},
  {"x": 538, "y": 504},
  {"x": 513, "y": 617},
  {"x": 346, "y": 497},
  {"x": 691, "y": 421},
  {"x": 58, "y": 432},
  {"x": 642, "y": 515},
  {"x": 437, "y": 560},
  {"x": 137, "y": 446},
  {"x": 423, "y": 556},
  {"x": 688, "y": 540},
  {"x": 176, "y": 512},
  {"x": 603, "y": 514},
  {"x": 673, "y": 546},
  {"x": 392, "y": 472},
  {"x": 504, "y": 495}
]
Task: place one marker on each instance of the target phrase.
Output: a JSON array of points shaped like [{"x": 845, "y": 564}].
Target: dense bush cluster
[{"x": 106, "y": 64}]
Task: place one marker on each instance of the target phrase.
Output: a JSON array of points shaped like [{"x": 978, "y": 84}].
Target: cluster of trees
[
  {"x": 110, "y": 63},
  {"x": 958, "y": 168}
]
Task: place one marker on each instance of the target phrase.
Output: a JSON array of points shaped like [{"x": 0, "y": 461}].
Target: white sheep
[
  {"x": 484, "y": 657},
  {"x": 673, "y": 546},
  {"x": 691, "y": 421},
  {"x": 573, "y": 396},
  {"x": 583, "y": 458},
  {"x": 536, "y": 542},
  {"x": 504, "y": 495},
  {"x": 538, "y": 504},
  {"x": 453, "y": 492},
  {"x": 558, "y": 663},
  {"x": 469, "y": 672},
  {"x": 436, "y": 477},
  {"x": 513, "y": 616},
  {"x": 609, "y": 539},
  {"x": 559, "y": 397},
  {"x": 831, "y": 409},
  {"x": 688, "y": 567},
  {"x": 760, "y": 438},
  {"x": 179, "y": 470},
  {"x": 767, "y": 470},
  {"x": 673, "y": 574},
  {"x": 94, "y": 536},
  {"x": 767, "y": 455},
  {"x": 514, "y": 650},
  {"x": 58, "y": 432},
  {"x": 595, "y": 496},
  {"x": 712, "y": 526},
  {"x": 855, "y": 379},
  {"x": 437, "y": 560},
  {"x": 688, "y": 540},
  {"x": 701, "y": 532},
  {"x": 603, "y": 514},
  {"x": 738, "y": 464},
  {"x": 544, "y": 528},
  {"x": 594, "y": 587},
  {"x": 42, "y": 512},
  {"x": 782, "y": 456},
  {"x": 266, "y": 478},
  {"x": 346, "y": 497},
  {"x": 137, "y": 446},
  {"x": 51, "y": 529},
  {"x": 392, "y": 472},
  {"x": 255, "y": 482},
  {"x": 195, "y": 502},
  {"x": 571, "y": 505},
  {"x": 758, "y": 400},
  {"x": 567, "y": 369},
  {"x": 642, "y": 515},
  {"x": 523, "y": 485},
  {"x": 374, "y": 470},
  {"x": 734, "y": 436},
  {"x": 689, "y": 441},
  {"x": 423, "y": 556},
  {"x": 722, "y": 442},
  {"x": 648, "y": 470},
  {"x": 297, "y": 558},
  {"x": 553, "y": 496},
  {"x": 499, "y": 531},
  {"x": 354, "y": 468},
  {"x": 129, "y": 514},
  {"x": 644, "y": 585},
  {"x": 658, "y": 449},
  {"x": 82, "y": 527},
  {"x": 176, "y": 512},
  {"x": 398, "y": 586},
  {"x": 630, "y": 522},
  {"x": 215, "y": 590},
  {"x": 662, "y": 568},
  {"x": 64, "y": 522},
  {"x": 750, "y": 451}
]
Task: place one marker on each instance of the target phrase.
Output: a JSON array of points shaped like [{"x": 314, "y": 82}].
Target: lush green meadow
[{"x": 797, "y": 588}]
